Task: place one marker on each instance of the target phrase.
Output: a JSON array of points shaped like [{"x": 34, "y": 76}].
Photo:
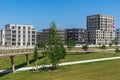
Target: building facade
[
  {"x": 20, "y": 35},
  {"x": 100, "y": 29},
  {"x": 117, "y": 34},
  {"x": 43, "y": 35},
  {"x": 0, "y": 37},
  {"x": 78, "y": 35}
]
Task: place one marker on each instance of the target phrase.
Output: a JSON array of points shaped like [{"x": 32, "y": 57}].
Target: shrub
[
  {"x": 117, "y": 50},
  {"x": 85, "y": 47}
]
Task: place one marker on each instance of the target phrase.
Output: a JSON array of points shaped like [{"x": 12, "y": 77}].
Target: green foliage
[
  {"x": 85, "y": 47},
  {"x": 70, "y": 44},
  {"x": 103, "y": 47},
  {"x": 44, "y": 61},
  {"x": 54, "y": 48},
  {"x": 117, "y": 50},
  {"x": 115, "y": 41},
  {"x": 40, "y": 46},
  {"x": 110, "y": 44}
]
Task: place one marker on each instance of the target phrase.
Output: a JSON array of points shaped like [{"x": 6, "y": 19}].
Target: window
[
  {"x": 28, "y": 43},
  {"x": 28, "y": 32},
  {"x": 13, "y": 27},
  {"x": 28, "y": 28},
  {"x": 18, "y": 32},
  {"x": 23, "y": 32},
  {"x": 23, "y": 43},
  {"x": 23, "y": 27},
  {"x": 33, "y": 43},
  {"x": 18, "y": 27}
]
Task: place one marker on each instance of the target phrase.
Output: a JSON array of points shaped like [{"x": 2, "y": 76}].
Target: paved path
[{"x": 62, "y": 64}]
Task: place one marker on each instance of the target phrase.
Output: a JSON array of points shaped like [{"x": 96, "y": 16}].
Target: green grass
[
  {"x": 104, "y": 70},
  {"x": 73, "y": 49},
  {"x": 20, "y": 61},
  {"x": 85, "y": 56}
]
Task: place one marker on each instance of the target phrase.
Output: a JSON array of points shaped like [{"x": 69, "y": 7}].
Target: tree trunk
[{"x": 36, "y": 65}]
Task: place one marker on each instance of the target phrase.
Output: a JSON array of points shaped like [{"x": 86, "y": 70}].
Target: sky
[{"x": 66, "y": 13}]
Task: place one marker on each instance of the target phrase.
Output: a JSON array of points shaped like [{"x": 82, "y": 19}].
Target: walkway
[{"x": 62, "y": 64}]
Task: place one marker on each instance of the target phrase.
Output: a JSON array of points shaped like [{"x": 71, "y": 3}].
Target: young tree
[
  {"x": 70, "y": 44},
  {"x": 85, "y": 47},
  {"x": 54, "y": 47},
  {"x": 103, "y": 47},
  {"x": 36, "y": 57}
]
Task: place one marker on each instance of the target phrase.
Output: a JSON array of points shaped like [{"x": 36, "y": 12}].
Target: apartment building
[
  {"x": 20, "y": 35},
  {"x": 76, "y": 34},
  {"x": 43, "y": 35},
  {"x": 117, "y": 34},
  {"x": 38, "y": 36},
  {"x": 100, "y": 29},
  {"x": 2, "y": 37}
]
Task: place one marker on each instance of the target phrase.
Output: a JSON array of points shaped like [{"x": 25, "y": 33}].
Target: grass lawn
[
  {"x": 94, "y": 48},
  {"x": 73, "y": 49},
  {"x": 20, "y": 61},
  {"x": 104, "y": 70}
]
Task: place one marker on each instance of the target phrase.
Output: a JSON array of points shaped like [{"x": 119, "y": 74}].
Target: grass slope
[
  {"x": 20, "y": 61},
  {"x": 105, "y": 70}
]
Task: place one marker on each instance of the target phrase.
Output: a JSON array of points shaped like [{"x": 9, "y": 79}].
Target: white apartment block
[
  {"x": 20, "y": 35},
  {"x": 2, "y": 37},
  {"x": 100, "y": 29},
  {"x": 117, "y": 34}
]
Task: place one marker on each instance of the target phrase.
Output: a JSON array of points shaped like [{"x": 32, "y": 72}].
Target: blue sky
[{"x": 66, "y": 13}]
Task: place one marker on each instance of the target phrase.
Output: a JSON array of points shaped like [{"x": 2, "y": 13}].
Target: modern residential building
[
  {"x": 117, "y": 34},
  {"x": 2, "y": 37},
  {"x": 100, "y": 29},
  {"x": 20, "y": 35},
  {"x": 43, "y": 35},
  {"x": 76, "y": 34},
  {"x": 38, "y": 36}
]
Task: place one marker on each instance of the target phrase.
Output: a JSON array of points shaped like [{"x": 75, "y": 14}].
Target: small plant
[
  {"x": 85, "y": 47},
  {"x": 103, "y": 47},
  {"x": 110, "y": 44},
  {"x": 117, "y": 50},
  {"x": 115, "y": 41}
]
